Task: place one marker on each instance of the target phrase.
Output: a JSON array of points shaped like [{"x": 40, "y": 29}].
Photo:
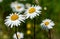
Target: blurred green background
[{"x": 52, "y": 12}]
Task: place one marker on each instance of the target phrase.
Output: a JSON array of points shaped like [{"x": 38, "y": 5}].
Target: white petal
[
  {"x": 50, "y": 27},
  {"x": 52, "y": 24}
]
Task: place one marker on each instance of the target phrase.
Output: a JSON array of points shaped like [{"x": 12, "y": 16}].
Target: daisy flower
[
  {"x": 19, "y": 35},
  {"x": 14, "y": 19},
  {"x": 47, "y": 24},
  {"x": 17, "y": 7},
  {"x": 33, "y": 11}
]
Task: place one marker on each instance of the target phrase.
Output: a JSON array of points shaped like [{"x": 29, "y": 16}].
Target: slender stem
[
  {"x": 16, "y": 31},
  {"x": 34, "y": 28},
  {"x": 16, "y": 35},
  {"x": 49, "y": 34}
]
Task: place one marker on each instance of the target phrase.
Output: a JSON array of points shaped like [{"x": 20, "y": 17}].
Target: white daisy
[
  {"x": 47, "y": 24},
  {"x": 17, "y": 7},
  {"x": 19, "y": 35},
  {"x": 14, "y": 20},
  {"x": 33, "y": 11}
]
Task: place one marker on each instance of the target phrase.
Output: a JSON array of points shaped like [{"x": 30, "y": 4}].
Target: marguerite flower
[
  {"x": 47, "y": 24},
  {"x": 19, "y": 35},
  {"x": 33, "y": 11},
  {"x": 17, "y": 7},
  {"x": 14, "y": 19}
]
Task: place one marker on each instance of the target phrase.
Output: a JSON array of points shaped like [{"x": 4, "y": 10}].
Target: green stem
[
  {"x": 34, "y": 27},
  {"x": 16, "y": 31},
  {"x": 49, "y": 34}
]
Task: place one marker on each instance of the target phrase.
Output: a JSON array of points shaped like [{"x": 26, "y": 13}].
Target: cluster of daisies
[
  {"x": 23, "y": 12},
  {"x": 15, "y": 19}
]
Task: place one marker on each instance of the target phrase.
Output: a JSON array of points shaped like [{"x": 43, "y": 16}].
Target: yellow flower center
[
  {"x": 46, "y": 23},
  {"x": 18, "y": 7},
  {"x": 14, "y": 17},
  {"x": 18, "y": 35},
  {"x": 31, "y": 10}
]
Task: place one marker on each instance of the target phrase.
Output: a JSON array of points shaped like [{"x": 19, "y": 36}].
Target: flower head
[
  {"x": 17, "y": 7},
  {"x": 33, "y": 11},
  {"x": 14, "y": 19},
  {"x": 19, "y": 35},
  {"x": 47, "y": 24}
]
